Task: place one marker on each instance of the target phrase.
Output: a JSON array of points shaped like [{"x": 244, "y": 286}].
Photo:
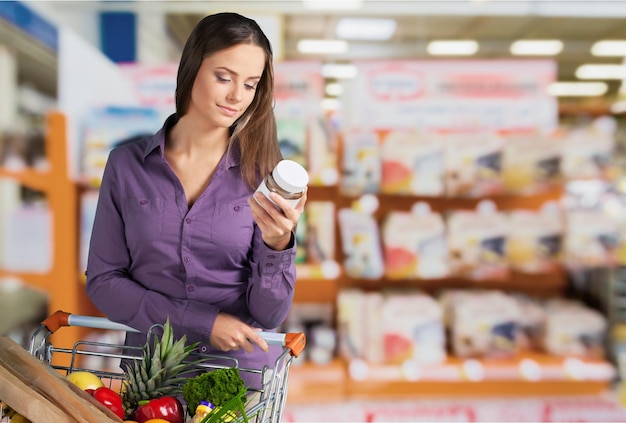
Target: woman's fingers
[
  {"x": 231, "y": 334},
  {"x": 255, "y": 338}
]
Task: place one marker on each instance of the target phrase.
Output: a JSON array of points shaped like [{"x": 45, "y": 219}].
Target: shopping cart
[{"x": 271, "y": 395}]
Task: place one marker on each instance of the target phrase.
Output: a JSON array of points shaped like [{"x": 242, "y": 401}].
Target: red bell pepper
[
  {"x": 166, "y": 408},
  {"x": 110, "y": 399}
]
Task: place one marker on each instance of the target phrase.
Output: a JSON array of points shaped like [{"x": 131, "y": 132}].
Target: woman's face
[{"x": 225, "y": 84}]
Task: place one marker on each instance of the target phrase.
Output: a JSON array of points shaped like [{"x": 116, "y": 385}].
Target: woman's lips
[{"x": 228, "y": 111}]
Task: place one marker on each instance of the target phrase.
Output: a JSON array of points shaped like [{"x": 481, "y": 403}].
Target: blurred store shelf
[{"x": 525, "y": 375}]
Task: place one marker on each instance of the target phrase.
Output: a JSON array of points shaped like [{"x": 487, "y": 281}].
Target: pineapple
[{"x": 159, "y": 372}]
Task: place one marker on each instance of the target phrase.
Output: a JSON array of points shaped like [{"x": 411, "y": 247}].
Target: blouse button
[
  {"x": 271, "y": 256},
  {"x": 237, "y": 208},
  {"x": 269, "y": 265},
  {"x": 187, "y": 259},
  {"x": 188, "y": 220},
  {"x": 191, "y": 288},
  {"x": 143, "y": 202},
  {"x": 203, "y": 349}
]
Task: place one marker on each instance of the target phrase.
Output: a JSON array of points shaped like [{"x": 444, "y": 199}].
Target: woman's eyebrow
[{"x": 232, "y": 72}]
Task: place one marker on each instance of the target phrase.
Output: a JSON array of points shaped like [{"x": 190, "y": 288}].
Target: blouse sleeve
[{"x": 272, "y": 282}]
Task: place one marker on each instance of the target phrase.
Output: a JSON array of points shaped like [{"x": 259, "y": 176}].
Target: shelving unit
[
  {"x": 60, "y": 282},
  {"x": 525, "y": 375}
]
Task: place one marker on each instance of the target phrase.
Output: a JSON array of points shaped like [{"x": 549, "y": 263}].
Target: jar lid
[{"x": 290, "y": 175}]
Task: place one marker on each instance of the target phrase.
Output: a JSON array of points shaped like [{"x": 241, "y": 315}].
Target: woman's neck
[{"x": 188, "y": 137}]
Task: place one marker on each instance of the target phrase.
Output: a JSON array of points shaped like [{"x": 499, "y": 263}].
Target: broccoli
[{"x": 217, "y": 386}]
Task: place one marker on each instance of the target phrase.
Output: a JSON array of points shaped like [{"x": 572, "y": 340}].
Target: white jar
[{"x": 288, "y": 179}]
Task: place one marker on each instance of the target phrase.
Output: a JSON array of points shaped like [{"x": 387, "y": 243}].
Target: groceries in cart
[{"x": 164, "y": 381}]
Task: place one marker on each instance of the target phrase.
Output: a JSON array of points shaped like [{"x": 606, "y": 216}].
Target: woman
[{"x": 178, "y": 232}]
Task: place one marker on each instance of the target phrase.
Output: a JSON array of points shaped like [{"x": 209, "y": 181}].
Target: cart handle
[{"x": 294, "y": 341}]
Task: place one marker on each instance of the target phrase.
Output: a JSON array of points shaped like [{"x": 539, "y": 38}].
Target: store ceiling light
[
  {"x": 536, "y": 47},
  {"x": 332, "y": 4},
  {"x": 338, "y": 71},
  {"x": 614, "y": 48},
  {"x": 577, "y": 89},
  {"x": 365, "y": 29},
  {"x": 322, "y": 46},
  {"x": 452, "y": 47},
  {"x": 604, "y": 71}
]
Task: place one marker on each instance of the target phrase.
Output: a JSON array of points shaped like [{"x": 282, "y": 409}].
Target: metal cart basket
[{"x": 269, "y": 398}]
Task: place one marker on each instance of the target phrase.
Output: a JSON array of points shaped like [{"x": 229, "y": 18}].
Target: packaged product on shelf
[
  {"x": 301, "y": 237},
  {"x": 320, "y": 231},
  {"x": 352, "y": 325},
  {"x": 10, "y": 202},
  {"x": 532, "y": 322},
  {"x": 322, "y": 152},
  {"x": 23, "y": 149},
  {"x": 315, "y": 321},
  {"x": 482, "y": 324},
  {"x": 532, "y": 163},
  {"x": 27, "y": 233},
  {"x": 304, "y": 133},
  {"x": 375, "y": 350},
  {"x": 361, "y": 241},
  {"x": 574, "y": 329},
  {"x": 292, "y": 135},
  {"x": 412, "y": 328},
  {"x": 412, "y": 163},
  {"x": 473, "y": 163},
  {"x": 13, "y": 150},
  {"x": 535, "y": 239},
  {"x": 88, "y": 203},
  {"x": 107, "y": 126},
  {"x": 592, "y": 239},
  {"x": 361, "y": 166},
  {"x": 588, "y": 151},
  {"x": 415, "y": 244},
  {"x": 478, "y": 240},
  {"x": 391, "y": 327}
]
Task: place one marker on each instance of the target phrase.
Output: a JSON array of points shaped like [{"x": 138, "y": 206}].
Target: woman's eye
[
  {"x": 222, "y": 79},
  {"x": 250, "y": 87}
]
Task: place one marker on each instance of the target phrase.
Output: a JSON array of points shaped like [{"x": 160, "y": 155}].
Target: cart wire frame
[{"x": 268, "y": 401}]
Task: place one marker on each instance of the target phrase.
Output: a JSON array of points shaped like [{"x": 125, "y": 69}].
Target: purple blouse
[{"x": 151, "y": 256}]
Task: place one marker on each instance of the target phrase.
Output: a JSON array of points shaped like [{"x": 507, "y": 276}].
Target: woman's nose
[{"x": 235, "y": 94}]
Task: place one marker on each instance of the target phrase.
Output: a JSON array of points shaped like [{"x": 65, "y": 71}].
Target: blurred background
[{"x": 461, "y": 256}]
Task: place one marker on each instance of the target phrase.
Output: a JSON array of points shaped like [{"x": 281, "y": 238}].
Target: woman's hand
[
  {"x": 276, "y": 225},
  {"x": 230, "y": 334}
]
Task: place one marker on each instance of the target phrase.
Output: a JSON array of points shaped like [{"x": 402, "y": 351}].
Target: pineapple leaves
[{"x": 160, "y": 369}]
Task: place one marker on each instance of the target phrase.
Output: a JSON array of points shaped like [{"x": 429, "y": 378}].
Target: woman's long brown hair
[{"x": 254, "y": 133}]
